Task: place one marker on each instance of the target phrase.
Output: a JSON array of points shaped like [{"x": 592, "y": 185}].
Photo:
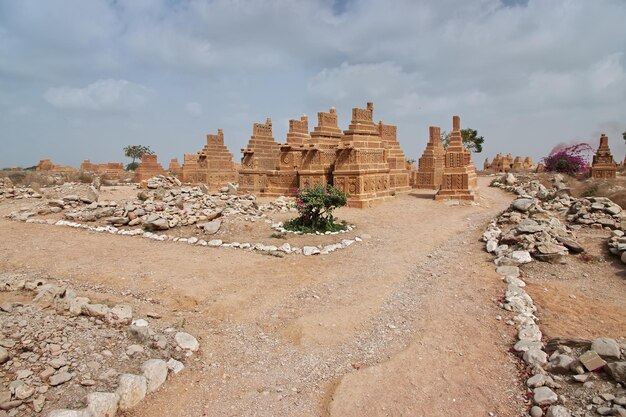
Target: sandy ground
[{"x": 402, "y": 324}]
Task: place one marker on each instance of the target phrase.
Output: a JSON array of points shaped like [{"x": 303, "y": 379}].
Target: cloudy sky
[{"x": 82, "y": 79}]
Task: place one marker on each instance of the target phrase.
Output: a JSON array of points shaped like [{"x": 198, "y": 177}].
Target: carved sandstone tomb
[
  {"x": 431, "y": 164},
  {"x": 320, "y": 153},
  {"x": 361, "y": 168},
  {"x": 459, "y": 176},
  {"x": 398, "y": 170},
  {"x": 603, "y": 165},
  {"x": 285, "y": 179},
  {"x": 261, "y": 156},
  {"x": 213, "y": 165},
  {"x": 148, "y": 168}
]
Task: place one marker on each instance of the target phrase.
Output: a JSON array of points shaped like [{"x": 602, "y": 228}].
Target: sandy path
[{"x": 402, "y": 324}]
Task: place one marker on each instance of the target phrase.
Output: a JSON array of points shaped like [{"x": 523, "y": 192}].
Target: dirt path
[{"x": 402, "y": 324}]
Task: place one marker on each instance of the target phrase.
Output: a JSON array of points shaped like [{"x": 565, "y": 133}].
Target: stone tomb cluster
[
  {"x": 365, "y": 161},
  {"x": 506, "y": 163},
  {"x": 451, "y": 170}
]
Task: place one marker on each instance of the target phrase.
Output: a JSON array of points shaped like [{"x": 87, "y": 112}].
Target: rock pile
[
  {"x": 561, "y": 365},
  {"x": 537, "y": 217},
  {"x": 9, "y": 191},
  {"x": 60, "y": 349},
  {"x": 161, "y": 209}
]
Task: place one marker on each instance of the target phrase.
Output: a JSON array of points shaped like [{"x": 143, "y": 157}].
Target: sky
[{"x": 82, "y": 79}]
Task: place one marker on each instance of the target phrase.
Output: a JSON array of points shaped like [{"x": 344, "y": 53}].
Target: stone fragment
[
  {"x": 102, "y": 404},
  {"x": 175, "y": 366},
  {"x": 4, "y": 355},
  {"x": 617, "y": 371},
  {"x": 561, "y": 364},
  {"x": 155, "y": 371},
  {"x": 520, "y": 256},
  {"x": 606, "y": 348},
  {"x": 121, "y": 313},
  {"x": 536, "y": 411},
  {"x": 591, "y": 360},
  {"x": 535, "y": 357},
  {"x": 186, "y": 341},
  {"x": 24, "y": 391},
  {"x": 211, "y": 227},
  {"x": 310, "y": 250},
  {"x": 508, "y": 271},
  {"x": 95, "y": 310},
  {"x": 131, "y": 390},
  {"x": 558, "y": 411},
  {"x": 544, "y": 396},
  {"x": 60, "y": 378},
  {"x": 523, "y": 204}
]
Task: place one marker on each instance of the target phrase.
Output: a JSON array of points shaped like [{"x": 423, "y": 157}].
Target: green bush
[{"x": 315, "y": 206}]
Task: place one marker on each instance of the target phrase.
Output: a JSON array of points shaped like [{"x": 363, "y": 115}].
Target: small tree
[
  {"x": 315, "y": 206},
  {"x": 470, "y": 137},
  {"x": 572, "y": 160},
  {"x": 135, "y": 152},
  {"x": 624, "y": 135}
]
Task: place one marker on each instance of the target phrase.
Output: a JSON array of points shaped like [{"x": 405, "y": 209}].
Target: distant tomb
[
  {"x": 213, "y": 165},
  {"x": 362, "y": 169},
  {"x": 603, "y": 165},
  {"x": 459, "y": 175},
  {"x": 432, "y": 162},
  {"x": 260, "y": 156},
  {"x": 148, "y": 168}
]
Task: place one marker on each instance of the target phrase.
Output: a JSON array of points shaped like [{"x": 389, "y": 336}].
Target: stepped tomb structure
[
  {"x": 174, "y": 167},
  {"x": 148, "y": 168},
  {"x": 319, "y": 154},
  {"x": 398, "y": 170},
  {"x": 603, "y": 165},
  {"x": 213, "y": 165},
  {"x": 108, "y": 170},
  {"x": 361, "y": 168},
  {"x": 459, "y": 175},
  {"x": 46, "y": 165},
  {"x": 432, "y": 162},
  {"x": 261, "y": 156},
  {"x": 284, "y": 180}
]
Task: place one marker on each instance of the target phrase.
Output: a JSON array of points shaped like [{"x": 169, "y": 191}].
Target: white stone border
[{"x": 285, "y": 248}]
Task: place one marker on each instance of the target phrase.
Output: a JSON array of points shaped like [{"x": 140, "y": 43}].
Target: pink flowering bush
[
  {"x": 572, "y": 160},
  {"x": 315, "y": 206}
]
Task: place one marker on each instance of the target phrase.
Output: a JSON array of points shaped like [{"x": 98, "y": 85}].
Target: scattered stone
[
  {"x": 544, "y": 396},
  {"x": 591, "y": 360},
  {"x": 131, "y": 390},
  {"x": 155, "y": 371},
  {"x": 606, "y": 348},
  {"x": 102, "y": 404},
  {"x": 186, "y": 341},
  {"x": 558, "y": 411},
  {"x": 60, "y": 378},
  {"x": 175, "y": 366}
]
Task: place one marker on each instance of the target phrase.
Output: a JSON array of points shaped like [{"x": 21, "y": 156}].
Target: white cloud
[
  {"x": 106, "y": 94},
  {"x": 194, "y": 109}
]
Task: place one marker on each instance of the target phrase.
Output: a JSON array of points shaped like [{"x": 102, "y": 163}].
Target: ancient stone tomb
[
  {"x": 459, "y": 175},
  {"x": 365, "y": 161},
  {"x": 148, "y": 168},
  {"x": 603, "y": 165},
  {"x": 213, "y": 165}
]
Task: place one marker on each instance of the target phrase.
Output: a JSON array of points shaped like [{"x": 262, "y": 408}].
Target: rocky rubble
[
  {"x": 542, "y": 223},
  {"x": 566, "y": 377},
  {"x": 60, "y": 350},
  {"x": 9, "y": 191},
  {"x": 162, "y": 206}
]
